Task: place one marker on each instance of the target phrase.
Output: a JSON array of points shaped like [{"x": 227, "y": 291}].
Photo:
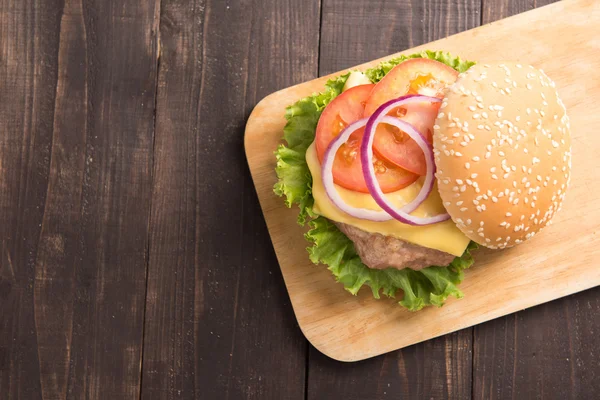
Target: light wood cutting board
[{"x": 564, "y": 40}]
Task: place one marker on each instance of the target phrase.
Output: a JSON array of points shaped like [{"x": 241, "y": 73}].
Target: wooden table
[{"x": 134, "y": 259}]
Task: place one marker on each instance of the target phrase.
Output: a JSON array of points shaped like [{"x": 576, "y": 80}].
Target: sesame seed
[
  {"x": 463, "y": 209},
  {"x": 467, "y": 165},
  {"x": 472, "y": 108},
  {"x": 494, "y": 176}
]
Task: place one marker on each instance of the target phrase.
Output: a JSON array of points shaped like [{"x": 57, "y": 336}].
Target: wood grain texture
[
  {"x": 549, "y": 352},
  {"x": 81, "y": 280},
  {"x": 493, "y": 10},
  {"x": 355, "y": 31},
  {"x": 217, "y": 321},
  {"x": 353, "y": 328},
  {"x": 440, "y": 368},
  {"x": 29, "y": 41},
  {"x": 437, "y": 369}
]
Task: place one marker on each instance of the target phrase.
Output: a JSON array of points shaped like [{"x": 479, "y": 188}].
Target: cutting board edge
[{"x": 332, "y": 352}]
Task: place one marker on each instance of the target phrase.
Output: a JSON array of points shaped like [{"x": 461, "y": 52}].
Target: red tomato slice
[
  {"x": 347, "y": 167},
  {"x": 415, "y": 76}
]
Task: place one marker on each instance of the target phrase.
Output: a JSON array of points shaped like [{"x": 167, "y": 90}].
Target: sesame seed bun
[{"x": 502, "y": 147}]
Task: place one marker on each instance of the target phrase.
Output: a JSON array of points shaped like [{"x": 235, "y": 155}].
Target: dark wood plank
[
  {"x": 75, "y": 236},
  {"x": 493, "y": 10},
  {"x": 437, "y": 369},
  {"x": 548, "y": 352},
  {"x": 28, "y": 45},
  {"x": 354, "y": 32},
  {"x": 219, "y": 324}
]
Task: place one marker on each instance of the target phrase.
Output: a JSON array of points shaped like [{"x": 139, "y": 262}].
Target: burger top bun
[{"x": 502, "y": 148}]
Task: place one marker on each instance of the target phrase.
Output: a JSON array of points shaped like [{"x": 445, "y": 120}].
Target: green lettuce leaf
[
  {"x": 299, "y": 132},
  {"x": 377, "y": 73},
  {"x": 429, "y": 286}
]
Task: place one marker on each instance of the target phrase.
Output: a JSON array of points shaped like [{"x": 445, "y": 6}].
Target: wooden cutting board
[{"x": 564, "y": 40}]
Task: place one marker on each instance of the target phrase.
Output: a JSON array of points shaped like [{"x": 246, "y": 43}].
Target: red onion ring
[
  {"x": 327, "y": 177},
  {"x": 366, "y": 157}
]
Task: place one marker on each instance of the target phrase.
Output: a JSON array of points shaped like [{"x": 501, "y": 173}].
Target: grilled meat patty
[{"x": 380, "y": 252}]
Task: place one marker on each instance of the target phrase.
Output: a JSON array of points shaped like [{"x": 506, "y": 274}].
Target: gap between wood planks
[{"x": 156, "y": 29}]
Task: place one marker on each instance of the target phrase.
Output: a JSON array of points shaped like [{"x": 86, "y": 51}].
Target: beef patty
[{"x": 380, "y": 252}]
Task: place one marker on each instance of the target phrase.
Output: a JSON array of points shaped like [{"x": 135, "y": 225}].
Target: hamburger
[{"x": 402, "y": 170}]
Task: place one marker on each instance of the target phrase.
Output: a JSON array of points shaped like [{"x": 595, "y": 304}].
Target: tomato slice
[
  {"x": 346, "y": 108},
  {"x": 414, "y": 76}
]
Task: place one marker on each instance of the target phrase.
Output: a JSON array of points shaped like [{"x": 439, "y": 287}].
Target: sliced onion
[
  {"x": 327, "y": 177},
  {"x": 366, "y": 156}
]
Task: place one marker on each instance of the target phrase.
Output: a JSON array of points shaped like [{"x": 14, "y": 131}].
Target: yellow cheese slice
[{"x": 444, "y": 236}]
